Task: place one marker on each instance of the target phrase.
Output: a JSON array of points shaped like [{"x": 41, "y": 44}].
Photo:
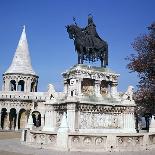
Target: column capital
[
  {"x": 71, "y": 106},
  {"x": 114, "y": 84},
  {"x": 97, "y": 82}
]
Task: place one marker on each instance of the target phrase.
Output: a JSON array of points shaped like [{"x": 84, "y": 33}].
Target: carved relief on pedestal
[
  {"x": 41, "y": 138},
  {"x": 87, "y": 140},
  {"x": 104, "y": 88},
  {"x": 34, "y": 137},
  {"x": 129, "y": 141},
  {"x": 99, "y": 141},
  {"x": 152, "y": 139},
  {"x": 99, "y": 121},
  {"x": 76, "y": 140},
  {"x": 87, "y": 87},
  {"x": 51, "y": 139},
  {"x": 58, "y": 118}
]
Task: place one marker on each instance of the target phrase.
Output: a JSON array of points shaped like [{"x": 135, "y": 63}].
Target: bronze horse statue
[{"x": 88, "y": 47}]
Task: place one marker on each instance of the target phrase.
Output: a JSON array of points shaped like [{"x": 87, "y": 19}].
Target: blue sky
[{"x": 118, "y": 22}]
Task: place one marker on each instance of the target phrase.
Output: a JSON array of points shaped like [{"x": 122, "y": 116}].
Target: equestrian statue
[{"x": 88, "y": 44}]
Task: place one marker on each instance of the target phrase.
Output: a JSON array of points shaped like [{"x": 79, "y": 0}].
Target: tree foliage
[{"x": 143, "y": 62}]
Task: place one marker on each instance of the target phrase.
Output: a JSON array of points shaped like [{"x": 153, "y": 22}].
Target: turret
[{"x": 20, "y": 76}]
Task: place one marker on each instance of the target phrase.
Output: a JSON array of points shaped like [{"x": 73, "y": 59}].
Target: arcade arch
[
  {"x": 4, "y": 118},
  {"x": 22, "y": 119},
  {"x": 12, "y": 118},
  {"x": 36, "y": 116}
]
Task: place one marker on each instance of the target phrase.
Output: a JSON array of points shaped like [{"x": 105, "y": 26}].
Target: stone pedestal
[
  {"x": 152, "y": 124},
  {"x": 0, "y": 121},
  {"x": 97, "y": 88},
  {"x": 62, "y": 134},
  {"x": 71, "y": 116},
  {"x": 30, "y": 122},
  {"x": 114, "y": 92}
]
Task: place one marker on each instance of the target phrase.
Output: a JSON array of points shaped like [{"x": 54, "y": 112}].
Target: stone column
[
  {"x": 42, "y": 119},
  {"x": 65, "y": 86},
  {"x": 114, "y": 92},
  {"x": 62, "y": 134},
  {"x": 97, "y": 88},
  {"x": 71, "y": 116},
  {"x": 27, "y": 84},
  {"x": 152, "y": 124},
  {"x": 7, "y": 84},
  {"x": 49, "y": 120},
  {"x": 17, "y": 118},
  {"x": 129, "y": 121},
  {"x": 3, "y": 86},
  {"x": 0, "y": 120},
  {"x": 79, "y": 86},
  {"x": 7, "y": 122},
  {"x": 77, "y": 117},
  {"x": 16, "y": 85}
]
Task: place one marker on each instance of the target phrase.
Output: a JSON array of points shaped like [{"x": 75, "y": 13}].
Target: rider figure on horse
[{"x": 90, "y": 31}]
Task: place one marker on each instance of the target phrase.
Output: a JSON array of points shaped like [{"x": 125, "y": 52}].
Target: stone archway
[
  {"x": 4, "y": 119},
  {"x": 12, "y": 118},
  {"x": 22, "y": 119},
  {"x": 33, "y": 87},
  {"x": 36, "y": 116},
  {"x": 12, "y": 85}
]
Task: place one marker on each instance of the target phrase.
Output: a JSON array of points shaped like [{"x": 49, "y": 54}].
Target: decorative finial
[
  {"x": 74, "y": 19},
  {"x": 90, "y": 15},
  {"x": 24, "y": 28}
]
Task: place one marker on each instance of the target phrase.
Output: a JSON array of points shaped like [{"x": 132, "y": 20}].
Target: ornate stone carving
[
  {"x": 128, "y": 95},
  {"x": 88, "y": 87},
  {"x": 99, "y": 141},
  {"x": 152, "y": 139},
  {"x": 76, "y": 140},
  {"x": 87, "y": 140},
  {"x": 34, "y": 137},
  {"x": 51, "y": 139},
  {"x": 88, "y": 90},
  {"x": 58, "y": 118},
  {"x": 120, "y": 140},
  {"x": 129, "y": 141},
  {"x": 98, "y": 120},
  {"x": 104, "y": 91}
]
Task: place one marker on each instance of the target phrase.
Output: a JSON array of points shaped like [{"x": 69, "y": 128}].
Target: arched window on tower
[
  {"x": 12, "y": 85},
  {"x": 21, "y": 84},
  {"x": 33, "y": 87}
]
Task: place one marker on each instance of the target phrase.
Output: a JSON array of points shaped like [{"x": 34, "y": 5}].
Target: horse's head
[{"x": 72, "y": 30}]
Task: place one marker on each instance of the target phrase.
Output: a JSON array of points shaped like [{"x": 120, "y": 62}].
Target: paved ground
[{"x": 10, "y": 145}]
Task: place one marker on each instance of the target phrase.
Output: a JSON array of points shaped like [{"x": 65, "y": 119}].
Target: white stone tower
[{"x": 20, "y": 76}]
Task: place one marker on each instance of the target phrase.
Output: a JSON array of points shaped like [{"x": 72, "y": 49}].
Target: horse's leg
[
  {"x": 101, "y": 62},
  {"x": 78, "y": 58},
  {"x": 82, "y": 58},
  {"x": 106, "y": 54}
]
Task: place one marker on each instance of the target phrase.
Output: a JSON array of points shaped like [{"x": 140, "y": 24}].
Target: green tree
[{"x": 143, "y": 62}]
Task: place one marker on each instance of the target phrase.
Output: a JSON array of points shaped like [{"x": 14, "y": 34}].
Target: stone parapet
[{"x": 93, "y": 142}]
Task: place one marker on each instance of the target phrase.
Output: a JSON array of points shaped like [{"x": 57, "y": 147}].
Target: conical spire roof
[{"x": 21, "y": 62}]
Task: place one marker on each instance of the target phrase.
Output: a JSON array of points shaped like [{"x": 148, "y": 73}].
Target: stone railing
[
  {"x": 39, "y": 139},
  {"x": 23, "y": 96},
  {"x": 92, "y": 142}
]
